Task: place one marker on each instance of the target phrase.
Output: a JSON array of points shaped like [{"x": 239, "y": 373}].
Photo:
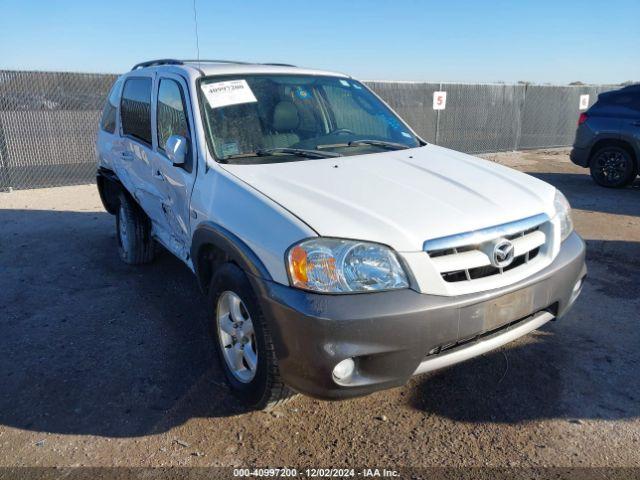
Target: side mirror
[{"x": 176, "y": 148}]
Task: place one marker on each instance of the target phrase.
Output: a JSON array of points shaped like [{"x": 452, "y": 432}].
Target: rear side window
[
  {"x": 135, "y": 109},
  {"x": 108, "y": 120},
  {"x": 618, "y": 103}
]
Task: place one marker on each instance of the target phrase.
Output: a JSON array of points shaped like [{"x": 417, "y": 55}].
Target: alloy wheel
[
  {"x": 237, "y": 337},
  {"x": 611, "y": 166}
]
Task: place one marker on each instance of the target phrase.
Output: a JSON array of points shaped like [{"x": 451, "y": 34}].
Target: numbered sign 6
[{"x": 584, "y": 102}]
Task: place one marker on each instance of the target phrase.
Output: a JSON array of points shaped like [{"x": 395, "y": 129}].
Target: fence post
[
  {"x": 5, "y": 180},
  {"x": 437, "y": 120},
  {"x": 523, "y": 105}
]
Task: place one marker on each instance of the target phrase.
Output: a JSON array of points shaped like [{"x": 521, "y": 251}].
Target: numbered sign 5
[{"x": 439, "y": 100}]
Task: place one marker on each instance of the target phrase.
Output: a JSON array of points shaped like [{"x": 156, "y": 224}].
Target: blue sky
[{"x": 465, "y": 41}]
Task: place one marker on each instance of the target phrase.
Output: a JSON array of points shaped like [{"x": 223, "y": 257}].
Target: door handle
[
  {"x": 159, "y": 175},
  {"x": 127, "y": 155}
]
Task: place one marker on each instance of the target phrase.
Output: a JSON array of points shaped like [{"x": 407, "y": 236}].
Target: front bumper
[{"x": 394, "y": 335}]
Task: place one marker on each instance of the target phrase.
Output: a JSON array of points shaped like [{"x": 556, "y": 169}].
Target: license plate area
[
  {"x": 508, "y": 308},
  {"x": 494, "y": 313}
]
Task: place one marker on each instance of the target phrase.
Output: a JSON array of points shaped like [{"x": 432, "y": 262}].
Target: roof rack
[
  {"x": 152, "y": 63},
  {"x": 217, "y": 61},
  {"x": 279, "y": 64},
  {"x": 173, "y": 61}
]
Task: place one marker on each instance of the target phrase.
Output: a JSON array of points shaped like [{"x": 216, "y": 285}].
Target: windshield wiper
[
  {"x": 375, "y": 143},
  {"x": 266, "y": 152},
  {"x": 300, "y": 152},
  {"x": 379, "y": 143}
]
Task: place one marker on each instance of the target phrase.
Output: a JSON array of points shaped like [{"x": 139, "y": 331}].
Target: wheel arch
[
  {"x": 618, "y": 142},
  {"x": 109, "y": 188},
  {"x": 212, "y": 245}
]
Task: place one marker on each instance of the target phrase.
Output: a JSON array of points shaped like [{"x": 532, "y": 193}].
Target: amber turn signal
[{"x": 298, "y": 265}]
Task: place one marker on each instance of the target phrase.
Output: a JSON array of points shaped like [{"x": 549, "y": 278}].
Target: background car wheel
[
  {"x": 133, "y": 228},
  {"x": 612, "y": 167},
  {"x": 243, "y": 342}
]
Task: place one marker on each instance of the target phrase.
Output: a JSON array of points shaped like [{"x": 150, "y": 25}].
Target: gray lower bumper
[
  {"x": 580, "y": 156},
  {"x": 393, "y": 335},
  {"x": 484, "y": 345}
]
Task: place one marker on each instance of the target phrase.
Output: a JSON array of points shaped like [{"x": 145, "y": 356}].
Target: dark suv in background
[{"x": 608, "y": 138}]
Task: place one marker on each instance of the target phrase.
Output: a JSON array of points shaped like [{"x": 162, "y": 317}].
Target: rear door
[
  {"x": 173, "y": 116},
  {"x": 631, "y": 119},
  {"x": 133, "y": 155}
]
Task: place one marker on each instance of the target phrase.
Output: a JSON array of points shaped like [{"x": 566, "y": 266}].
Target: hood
[{"x": 400, "y": 198}]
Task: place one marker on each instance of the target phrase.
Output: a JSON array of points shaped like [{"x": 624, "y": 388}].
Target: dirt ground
[{"x": 103, "y": 364}]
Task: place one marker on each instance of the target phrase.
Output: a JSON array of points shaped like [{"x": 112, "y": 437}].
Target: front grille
[
  {"x": 460, "y": 262},
  {"x": 488, "y": 270}
]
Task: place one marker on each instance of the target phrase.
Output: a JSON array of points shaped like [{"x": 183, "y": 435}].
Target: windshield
[{"x": 275, "y": 118}]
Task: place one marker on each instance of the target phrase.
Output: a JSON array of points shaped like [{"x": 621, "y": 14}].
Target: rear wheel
[
  {"x": 135, "y": 244},
  {"x": 613, "y": 167},
  {"x": 243, "y": 341}
]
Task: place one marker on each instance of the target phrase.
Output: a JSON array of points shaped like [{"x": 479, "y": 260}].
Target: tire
[
  {"x": 612, "y": 167},
  {"x": 261, "y": 388},
  {"x": 133, "y": 230}
]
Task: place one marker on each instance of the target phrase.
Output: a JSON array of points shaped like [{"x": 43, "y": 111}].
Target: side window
[
  {"x": 108, "y": 120},
  {"x": 172, "y": 113},
  {"x": 135, "y": 109}
]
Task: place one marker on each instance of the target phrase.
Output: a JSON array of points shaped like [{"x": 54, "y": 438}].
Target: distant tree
[
  {"x": 577, "y": 83},
  {"x": 628, "y": 82},
  {"x": 524, "y": 82}
]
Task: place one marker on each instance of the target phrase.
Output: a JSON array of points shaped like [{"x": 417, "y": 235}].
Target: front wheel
[
  {"x": 243, "y": 341},
  {"x": 612, "y": 167}
]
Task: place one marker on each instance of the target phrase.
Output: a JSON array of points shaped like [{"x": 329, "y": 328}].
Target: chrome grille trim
[{"x": 485, "y": 234}]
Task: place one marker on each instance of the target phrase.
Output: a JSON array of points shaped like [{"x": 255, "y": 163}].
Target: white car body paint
[{"x": 398, "y": 198}]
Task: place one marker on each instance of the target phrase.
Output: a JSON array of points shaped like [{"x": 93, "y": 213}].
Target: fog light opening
[
  {"x": 344, "y": 368},
  {"x": 577, "y": 287}
]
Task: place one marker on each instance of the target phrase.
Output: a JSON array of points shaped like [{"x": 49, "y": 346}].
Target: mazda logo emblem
[{"x": 503, "y": 252}]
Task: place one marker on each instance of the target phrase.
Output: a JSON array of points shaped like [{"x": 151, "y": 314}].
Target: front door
[{"x": 174, "y": 117}]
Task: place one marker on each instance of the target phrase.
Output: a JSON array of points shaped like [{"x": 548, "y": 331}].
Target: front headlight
[
  {"x": 330, "y": 265},
  {"x": 563, "y": 211}
]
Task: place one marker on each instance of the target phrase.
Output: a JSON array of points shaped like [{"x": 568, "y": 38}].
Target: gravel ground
[{"x": 104, "y": 364}]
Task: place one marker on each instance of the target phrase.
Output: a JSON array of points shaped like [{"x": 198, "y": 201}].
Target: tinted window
[
  {"x": 624, "y": 103},
  {"x": 172, "y": 118},
  {"x": 108, "y": 120},
  {"x": 135, "y": 109}
]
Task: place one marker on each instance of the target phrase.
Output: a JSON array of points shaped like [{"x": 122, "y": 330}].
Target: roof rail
[
  {"x": 162, "y": 61},
  {"x": 173, "y": 61},
  {"x": 217, "y": 61},
  {"x": 279, "y": 64}
]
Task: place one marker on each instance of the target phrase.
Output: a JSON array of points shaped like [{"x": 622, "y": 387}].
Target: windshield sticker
[
  {"x": 230, "y": 148},
  {"x": 302, "y": 93},
  {"x": 393, "y": 123},
  {"x": 345, "y": 83},
  {"x": 232, "y": 92}
]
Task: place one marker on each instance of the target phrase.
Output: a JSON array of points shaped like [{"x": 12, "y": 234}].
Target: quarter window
[
  {"x": 135, "y": 109},
  {"x": 108, "y": 120},
  {"x": 172, "y": 118}
]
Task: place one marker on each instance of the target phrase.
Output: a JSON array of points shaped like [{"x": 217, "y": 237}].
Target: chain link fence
[
  {"x": 48, "y": 126},
  {"x": 49, "y": 120}
]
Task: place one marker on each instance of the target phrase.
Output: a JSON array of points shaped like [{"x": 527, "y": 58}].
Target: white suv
[{"x": 340, "y": 252}]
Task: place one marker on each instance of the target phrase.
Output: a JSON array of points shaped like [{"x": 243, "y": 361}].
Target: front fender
[{"x": 227, "y": 245}]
